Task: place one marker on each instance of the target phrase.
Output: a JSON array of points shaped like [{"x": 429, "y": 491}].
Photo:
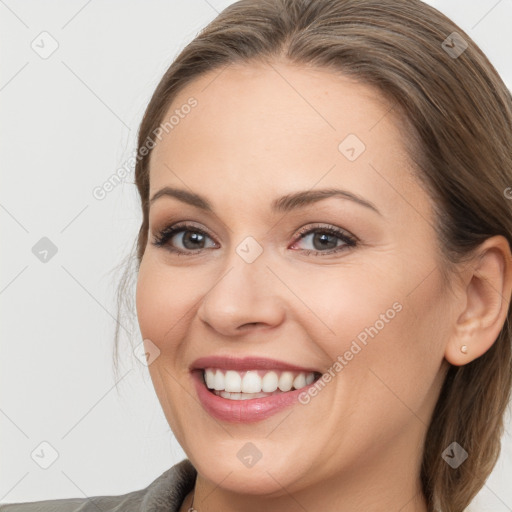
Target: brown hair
[{"x": 460, "y": 114}]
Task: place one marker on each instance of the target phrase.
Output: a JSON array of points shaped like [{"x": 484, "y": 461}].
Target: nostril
[{"x": 244, "y": 326}]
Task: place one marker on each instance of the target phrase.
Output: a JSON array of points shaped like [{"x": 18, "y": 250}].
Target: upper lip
[{"x": 246, "y": 363}]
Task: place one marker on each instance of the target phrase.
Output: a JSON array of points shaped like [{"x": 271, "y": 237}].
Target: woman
[{"x": 324, "y": 264}]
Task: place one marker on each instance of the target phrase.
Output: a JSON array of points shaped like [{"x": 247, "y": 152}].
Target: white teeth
[
  {"x": 210, "y": 380},
  {"x": 269, "y": 382},
  {"x": 218, "y": 383},
  {"x": 241, "y": 396},
  {"x": 299, "y": 381},
  {"x": 254, "y": 382},
  {"x": 232, "y": 382},
  {"x": 286, "y": 381},
  {"x": 251, "y": 383}
]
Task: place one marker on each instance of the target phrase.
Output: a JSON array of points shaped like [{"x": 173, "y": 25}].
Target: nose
[{"x": 245, "y": 296}]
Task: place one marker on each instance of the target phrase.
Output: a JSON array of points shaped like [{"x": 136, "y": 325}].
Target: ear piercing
[{"x": 464, "y": 349}]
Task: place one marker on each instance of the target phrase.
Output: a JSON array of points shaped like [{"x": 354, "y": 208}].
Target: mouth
[
  {"x": 250, "y": 384},
  {"x": 251, "y": 389},
  {"x": 251, "y": 377}
]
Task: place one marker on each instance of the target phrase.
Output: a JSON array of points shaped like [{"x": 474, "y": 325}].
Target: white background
[{"x": 68, "y": 122}]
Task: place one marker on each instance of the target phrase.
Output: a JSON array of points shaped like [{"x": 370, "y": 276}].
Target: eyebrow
[{"x": 283, "y": 204}]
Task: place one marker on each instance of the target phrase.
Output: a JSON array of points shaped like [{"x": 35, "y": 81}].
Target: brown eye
[
  {"x": 325, "y": 240},
  {"x": 182, "y": 239}
]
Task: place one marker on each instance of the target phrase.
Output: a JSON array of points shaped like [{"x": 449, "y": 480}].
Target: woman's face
[{"x": 373, "y": 315}]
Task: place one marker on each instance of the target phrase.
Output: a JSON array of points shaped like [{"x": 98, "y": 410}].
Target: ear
[{"x": 486, "y": 299}]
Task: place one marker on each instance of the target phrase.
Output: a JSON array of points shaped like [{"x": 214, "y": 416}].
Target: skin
[{"x": 263, "y": 131}]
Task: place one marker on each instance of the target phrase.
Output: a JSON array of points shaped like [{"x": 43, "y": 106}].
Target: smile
[
  {"x": 249, "y": 389},
  {"x": 237, "y": 385}
]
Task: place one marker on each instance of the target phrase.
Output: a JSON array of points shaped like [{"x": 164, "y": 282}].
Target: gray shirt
[{"x": 165, "y": 494}]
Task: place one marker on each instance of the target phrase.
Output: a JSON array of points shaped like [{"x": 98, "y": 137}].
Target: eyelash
[{"x": 162, "y": 238}]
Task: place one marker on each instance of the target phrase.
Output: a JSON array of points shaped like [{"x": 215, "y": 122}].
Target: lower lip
[{"x": 243, "y": 411}]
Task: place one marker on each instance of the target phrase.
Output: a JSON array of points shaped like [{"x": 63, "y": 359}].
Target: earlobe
[
  {"x": 465, "y": 345},
  {"x": 487, "y": 302}
]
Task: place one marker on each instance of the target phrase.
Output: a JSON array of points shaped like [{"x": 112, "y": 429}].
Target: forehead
[{"x": 275, "y": 128}]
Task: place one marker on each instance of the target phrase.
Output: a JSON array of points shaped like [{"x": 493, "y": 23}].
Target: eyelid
[
  {"x": 162, "y": 235},
  {"x": 186, "y": 225},
  {"x": 328, "y": 228}
]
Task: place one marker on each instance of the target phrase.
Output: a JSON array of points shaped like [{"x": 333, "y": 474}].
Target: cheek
[
  {"x": 162, "y": 304},
  {"x": 389, "y": 334},
  {"x": 344, "y": 303},
  {"x": 163, "y": 298},
  {"x": 407, "y": 360},
  {"x": 398, "y": 370}
]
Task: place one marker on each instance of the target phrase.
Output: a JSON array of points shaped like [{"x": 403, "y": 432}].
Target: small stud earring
[{"x": 464, "y": 349}]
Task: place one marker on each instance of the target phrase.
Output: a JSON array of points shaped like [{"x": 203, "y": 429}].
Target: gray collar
[{"x": 168, "y": 491}]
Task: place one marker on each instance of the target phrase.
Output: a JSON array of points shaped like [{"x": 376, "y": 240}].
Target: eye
[
  {"x": 326, "y": 239},
  {"x": 188, "y": 237}
]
